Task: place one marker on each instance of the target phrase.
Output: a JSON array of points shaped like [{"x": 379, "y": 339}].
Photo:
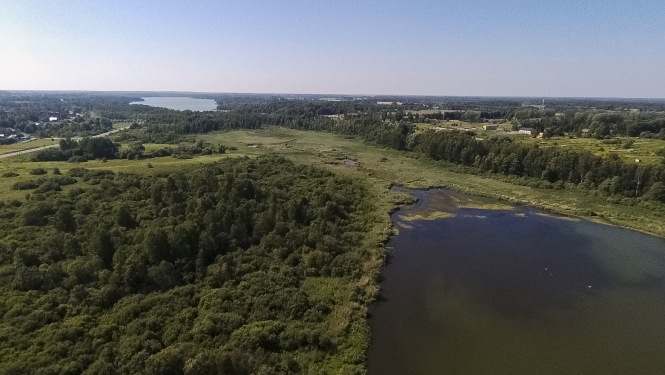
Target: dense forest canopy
[{"x": 198, "y": 272}]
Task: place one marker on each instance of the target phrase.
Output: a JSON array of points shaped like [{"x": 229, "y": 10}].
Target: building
[
  {"x": 491, "y": 127},
  {"x": 53, "y": 118},
  {"x": 525, "y": 131}
]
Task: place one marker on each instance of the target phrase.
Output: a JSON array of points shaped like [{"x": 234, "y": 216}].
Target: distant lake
[
  {"x": 179, "y": 103},
  {"x": 476, "y": 286}
]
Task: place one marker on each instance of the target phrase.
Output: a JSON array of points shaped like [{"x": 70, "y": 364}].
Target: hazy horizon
[{"x": 568, "y": 49}]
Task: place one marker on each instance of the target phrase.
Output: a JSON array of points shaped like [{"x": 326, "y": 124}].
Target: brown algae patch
[
  {"x": 442, "y": 204},
  {"x": 559, "y": 217},
  {"x": 478, "y": 203}
]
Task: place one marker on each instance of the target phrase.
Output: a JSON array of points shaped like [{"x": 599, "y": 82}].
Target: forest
[{"x": 191, "y": 272}]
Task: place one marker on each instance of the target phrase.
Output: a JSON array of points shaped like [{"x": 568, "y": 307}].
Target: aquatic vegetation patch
[
  {"x": 427, "y": 216},
  {"x": 559, "y": 217},
  {"x": 404, "y": 225}
]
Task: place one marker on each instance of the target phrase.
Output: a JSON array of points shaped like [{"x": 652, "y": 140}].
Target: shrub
[
  {"x": 48, "y": 186},
  {"x": 63, "y": 180},
  {"x": 657, "y": 192},
  {"x": 9, "y": 174},
  {"x": 77, "y": 172},
  {"x": 104, "y": 173},
  {"x": 25, "y": 185},
  {"x": 56, "y": 171},
  {"x": 38, "y": 171},
  {"x": 77, "y": 159},
  {"x": 38, "y": 216}
]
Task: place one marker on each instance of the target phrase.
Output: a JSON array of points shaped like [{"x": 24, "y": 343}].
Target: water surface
[
  {"x": 179, "y": 103},
  {"x": 475, "y": 286}
]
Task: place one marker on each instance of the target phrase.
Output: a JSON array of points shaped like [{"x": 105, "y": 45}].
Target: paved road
[{"x": 51, "y": 146}]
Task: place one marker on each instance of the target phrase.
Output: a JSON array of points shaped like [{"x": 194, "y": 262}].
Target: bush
[
  {"x": 63, "y": 180},
  {"x": 38, "y": 216},
  {"x": 51, "y": 154},
  {"x": 9, "y": 174},
  {"x": 77, "y": 159},
  {"x": 77, "y": 172},
  {"x": 25, "y": 185},
  {"x": 104, "y": 173},
  {"x": 48, "y": 186},
  {"x": 38, "y": 171},
  {"x": 657, "y": 192},
  {"x": 56, "y": 171},
  {"x": 166, "y": 151}
]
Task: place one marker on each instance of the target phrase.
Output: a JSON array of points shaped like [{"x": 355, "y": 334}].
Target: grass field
[
  {"x": 379, "y": 167},
  {"x": 34, "y": 143},
  {"x": 120, "y": 125},
  {"x": 642, "y": 149}
]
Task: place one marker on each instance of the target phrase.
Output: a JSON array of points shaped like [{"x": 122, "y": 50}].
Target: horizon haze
[{"x": 600, "y": 49}]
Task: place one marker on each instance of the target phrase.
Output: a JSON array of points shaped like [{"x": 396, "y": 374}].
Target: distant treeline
[{"x": 495, "y": 155}]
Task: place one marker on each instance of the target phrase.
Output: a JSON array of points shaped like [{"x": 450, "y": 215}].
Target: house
[
  {"x": 491, "y": 127},
  {"x": 525, "y": 131},
  {"x": 52, "y": 118},
  {"x": 585, "y": 131}
]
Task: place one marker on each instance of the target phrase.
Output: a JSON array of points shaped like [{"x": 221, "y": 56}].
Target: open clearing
[
  {"x": 33, "y": 143},
  {"x": 641, "y": 149}
]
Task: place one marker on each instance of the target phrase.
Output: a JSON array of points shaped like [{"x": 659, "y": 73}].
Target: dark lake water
[
  {"x": 472, "y": 289},
  {"x": 179, "y": 103}
]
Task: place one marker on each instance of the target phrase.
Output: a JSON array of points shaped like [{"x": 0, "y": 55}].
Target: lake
[
  {"x": 476, "y": 286},
  {"x": 179, "y": 103}
]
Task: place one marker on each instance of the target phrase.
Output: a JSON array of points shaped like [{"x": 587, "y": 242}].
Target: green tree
[
  {"x": 102, "y": 245},
  {"x": 64, "y": 221},
  {"x": 656, "y": 192}
]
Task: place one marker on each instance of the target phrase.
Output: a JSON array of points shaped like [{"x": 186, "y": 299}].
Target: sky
[{"x": 582, "y": 48}]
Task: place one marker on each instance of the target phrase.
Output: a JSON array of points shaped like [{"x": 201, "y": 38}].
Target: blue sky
[{"x": 503, "y": 48}]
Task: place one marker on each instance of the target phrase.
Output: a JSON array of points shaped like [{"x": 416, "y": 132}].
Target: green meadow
[{"x": 382, "y": 168}]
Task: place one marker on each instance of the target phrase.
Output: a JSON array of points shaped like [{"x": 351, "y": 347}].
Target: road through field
[{"x": 51, "y": 146}]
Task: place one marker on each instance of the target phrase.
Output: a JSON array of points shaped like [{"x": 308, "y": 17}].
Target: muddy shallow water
[{"x": 477, "y": 286}]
